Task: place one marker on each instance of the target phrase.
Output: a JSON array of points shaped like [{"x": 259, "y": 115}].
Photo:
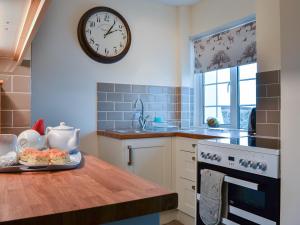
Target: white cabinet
[
  {"x": 185, "y": 173},
  {"x": 149, "y": 158},
  {"x": 187, "y": 196},
  {"x": 186, "y": 162}
]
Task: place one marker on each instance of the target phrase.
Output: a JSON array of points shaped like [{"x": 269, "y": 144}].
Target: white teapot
[{"x": 63, "y": 137}]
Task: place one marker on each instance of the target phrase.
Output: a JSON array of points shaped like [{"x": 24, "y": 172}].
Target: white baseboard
[{"x": 168, "y": 216}]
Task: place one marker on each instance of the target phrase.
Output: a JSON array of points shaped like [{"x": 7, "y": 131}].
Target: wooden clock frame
[{"x": 84, "y": 42}]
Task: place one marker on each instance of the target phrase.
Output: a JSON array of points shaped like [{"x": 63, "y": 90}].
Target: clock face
[{"x": 104, "y": 35}]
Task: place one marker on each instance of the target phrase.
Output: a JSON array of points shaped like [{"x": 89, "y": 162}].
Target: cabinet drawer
[
  {"x": 186, "y": 144},
  {"x": 186, "y": 164},
  {"x": 187, "y": 197}
]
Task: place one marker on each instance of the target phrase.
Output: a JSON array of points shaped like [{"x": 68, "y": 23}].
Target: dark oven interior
[{"x": 264, "y": 202}]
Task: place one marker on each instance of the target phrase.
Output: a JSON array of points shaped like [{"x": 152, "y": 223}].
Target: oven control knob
[
  {"x": 254, "y": 165},
  {"x": 246, "y": 163},
  {"x": 262, "y": 166},
  {"x": 205, "y": 155},
  {"x": 209, "y": 156},
  {"x": 216, "y": 157},
  {"x": 202, "y": 154},
  {"x": 243, "y": 162}
]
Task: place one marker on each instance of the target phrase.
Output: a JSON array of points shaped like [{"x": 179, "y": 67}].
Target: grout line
[
  {"x": 15, "y": 92},
  {"x": 15, "y": 110},
  {"x": 267, "y": 123},
  {"x": 15, "y": 127},
  {"x": 20, "y": 76}
]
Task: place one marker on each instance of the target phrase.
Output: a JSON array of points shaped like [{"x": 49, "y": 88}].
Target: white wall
[
  {"x": 211, "y": 14},
  {"x": 184, "y": 50},
  {"x": 268, "y": 35},
  {"x": 290, "y": 111},
  {"x": 64, "y": 77},
  {"x": 204, "y": 17},
  {"x": 208, "y": 15}
]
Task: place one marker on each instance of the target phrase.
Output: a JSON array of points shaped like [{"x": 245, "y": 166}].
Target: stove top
[{"x": 251, "y": 142}]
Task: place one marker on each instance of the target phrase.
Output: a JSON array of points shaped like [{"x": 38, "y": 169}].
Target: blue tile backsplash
[{"x": 115, "y": 105}]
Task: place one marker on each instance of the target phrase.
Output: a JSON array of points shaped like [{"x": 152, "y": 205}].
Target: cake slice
[
  {"x": 39, "y": 158},
  {"x": 58, "y": 157},
  {"x": 26, "y": 153}
]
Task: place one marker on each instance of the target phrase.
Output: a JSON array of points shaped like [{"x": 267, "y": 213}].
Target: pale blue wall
[
  {"x": 64, "y": 78},
  {"x": 152, "y": 219}
]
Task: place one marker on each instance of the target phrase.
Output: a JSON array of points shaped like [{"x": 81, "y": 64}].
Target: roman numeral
[
  {"x": 88, "y": 31},
  {"x": 92, "y": 24},
  {"x": 97, "y": 46},
  {"x": 106, "y": 18},
  {"x": 92, "y": 41}
]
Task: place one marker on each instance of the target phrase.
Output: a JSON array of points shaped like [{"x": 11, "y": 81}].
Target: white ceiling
[
  {"x": 12, "y": 17},
  {"x": 180, "y": 2}
]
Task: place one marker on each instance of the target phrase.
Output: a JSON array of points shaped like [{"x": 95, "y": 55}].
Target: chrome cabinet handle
[
  {"x": 194, "y": 158},
  {"x": 129, "y": 155},
  {"x": 194, "y": 145},
  {"x": 194, "y": 187}
]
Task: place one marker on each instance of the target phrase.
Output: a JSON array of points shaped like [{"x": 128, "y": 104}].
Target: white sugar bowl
[{"x": 30, "y": 139}]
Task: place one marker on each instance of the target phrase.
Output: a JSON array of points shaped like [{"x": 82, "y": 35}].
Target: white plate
[{"x": 75, "y": 157}]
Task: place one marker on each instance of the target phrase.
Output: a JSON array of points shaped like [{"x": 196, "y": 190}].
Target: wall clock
[{"x": 104, "y": 35}]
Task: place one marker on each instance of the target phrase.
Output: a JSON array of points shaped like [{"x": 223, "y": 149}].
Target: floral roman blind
[{"x": 227, "y": 49}]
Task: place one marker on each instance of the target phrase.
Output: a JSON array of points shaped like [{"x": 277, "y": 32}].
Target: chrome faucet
[{"x": 142, "y": 117}]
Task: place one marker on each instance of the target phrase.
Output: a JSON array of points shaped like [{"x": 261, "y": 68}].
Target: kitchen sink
[
  {"x": 138, "y": 131},
  {"x": 131, "y": 131}
]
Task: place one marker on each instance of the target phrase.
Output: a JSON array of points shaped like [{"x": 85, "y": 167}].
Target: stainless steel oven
[{"x": 252, "y": 175}]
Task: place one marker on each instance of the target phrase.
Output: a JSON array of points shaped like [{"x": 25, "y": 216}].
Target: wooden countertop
[
  {"x": 196, "y": 134},
  {"x": 94, "y": 194}
]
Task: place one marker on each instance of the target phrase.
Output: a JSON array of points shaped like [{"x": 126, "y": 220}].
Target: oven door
[{"x": 252, "y": 199}]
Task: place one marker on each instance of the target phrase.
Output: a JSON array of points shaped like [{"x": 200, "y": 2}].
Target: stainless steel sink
[
  {"x": 138, "y": 131},
  {"x": 129, "y": 131}
]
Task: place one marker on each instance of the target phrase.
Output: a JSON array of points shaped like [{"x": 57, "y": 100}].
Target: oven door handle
[
  {"x": 226, "y": 221},
  {"x": 242, "y": 183}
]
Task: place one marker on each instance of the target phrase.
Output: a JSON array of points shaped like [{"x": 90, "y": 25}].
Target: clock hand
[
  {"x": 109, "y": 29},
  {"x": 112, "y": 32}
]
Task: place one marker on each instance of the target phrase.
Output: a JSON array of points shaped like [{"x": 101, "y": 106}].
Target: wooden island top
[{"x": 93, "y": 194}]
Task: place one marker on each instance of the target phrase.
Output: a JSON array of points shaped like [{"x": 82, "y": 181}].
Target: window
[{"x": 229, "y": 95}]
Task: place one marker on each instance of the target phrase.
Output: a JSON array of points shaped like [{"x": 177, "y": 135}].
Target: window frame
[
  {"x": 235, "y": 106},
  {"x": 238, "y": 97}
]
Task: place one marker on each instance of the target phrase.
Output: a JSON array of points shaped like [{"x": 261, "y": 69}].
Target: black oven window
[{"x": 245, "y": 197}]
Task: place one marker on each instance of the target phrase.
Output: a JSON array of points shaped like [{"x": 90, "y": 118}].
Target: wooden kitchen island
[{"x": 96, "y": 193}]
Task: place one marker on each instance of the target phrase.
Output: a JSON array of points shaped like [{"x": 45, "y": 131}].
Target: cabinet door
[
  {"x": 187, "y": 196},
  {"x": 151, "y": 162},
  {"x": 185, "y": 173},
  {"x": 186, "y": 163}
]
